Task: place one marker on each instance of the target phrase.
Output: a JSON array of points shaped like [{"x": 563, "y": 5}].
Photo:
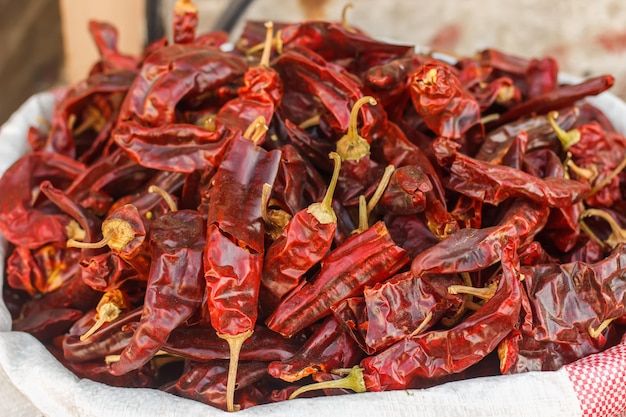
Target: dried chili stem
[
  {"x": 597, "y": 187},
  {"x": 165, "y": 195},
  {"x": 117, "y": 233},
  {"x": 256, "y": 130},
  {"x": 352, "y": 147},
  {"x": 423, "y": 324},
  {"x": 344, "y": 17},
  {"x": 595, "y": 333},
  {"x": 234, "y": 344},
  {"x": 380, "y": 190},
  {"x": 108, "y": 309},
  {"x": 567, "y": 139},
  {"x": 485, "y": 293},
  {"x": 323, "y": 211},
  {"x": 353, "y": 381},
  {"x": 618, "y": 234},
  {"x": 452, "y": 320},
  {"x": 310, "y": 122},
  {"x": 267, "y": 47}
]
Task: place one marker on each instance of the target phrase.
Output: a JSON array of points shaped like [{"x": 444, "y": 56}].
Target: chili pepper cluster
[{"x": 315, "y": 209}]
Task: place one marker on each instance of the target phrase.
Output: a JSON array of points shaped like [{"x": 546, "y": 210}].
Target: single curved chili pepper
[
  {"x": 259, "y": 96},
  {"x": 185, "y": 21},
  {"x": 329, "y": 347},
  {"x": 303, "y": 243},
  {"x": 24, "y": 220},
  {"x": 337, "y": 91},
  {"x": 174, "y": 73},
  {"x": 206, "y": 382},
  {"x": 403, "y": 305},
  {"x": 362, "y": 260},
  {"x": 105, "y": 37},
  {"x": 471, "y": 250},
  {"x": 233, "y": 257},
  {"x": 48, "y": 323},
  {"x": 174, "y": 290},
  {"x": 495, "y": 183},
  {"x": 40, "y": 270},
  {"x": 198, "y": 343},
  {"x": 438, "y": 96},
  {"x": 439, "y": 353},
  {"x": 556, "y": 99},
  {"x": 110, "y": 339}
]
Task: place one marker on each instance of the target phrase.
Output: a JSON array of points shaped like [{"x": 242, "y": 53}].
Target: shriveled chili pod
[
  {"x": 185, "y": 21},
  {"x": 303, "y": 243},
  {"x": 438, "y": 96},
  {"x": 105, "y": 36},
  {"x": 233, "y": 257},
  {"x": 24, "y": 221},
  {"x": 438, "y": 353},
  {"x": 198, "y": 343},
  {"x": 362, "y": 260},
  {"x": 328, "y": 348},
  {"x": 175, "y": 287}
]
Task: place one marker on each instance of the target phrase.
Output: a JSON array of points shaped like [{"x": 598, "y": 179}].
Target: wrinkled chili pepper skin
[
  {"x": 47, "y": 324},
  {"x": 329, "y": 347},
  {"x": 174, "y": 73},
  {"x": 110, "y": 339},
  {"x": 406, "y": 192},
  {"x": 105, "y": 37},
  {"x": 439, "y": 353},
  {"x": 438, "y": 96},
  {"x": 175, "y": 288},
  {"x": 563, "y": 301},
  {"x": 23, "y": 221},
  {"x": 303, "y": 243},
  {"x": 185, "y": 22},
  {"x": 233, "y": 258},
  {"x": 206, "y": 382},
  {"x": 495, "y": 183},
  {"x": 201, "y": 344},
  {"x": 362, "y": 260},
  {"x": 397, "y": 307}
]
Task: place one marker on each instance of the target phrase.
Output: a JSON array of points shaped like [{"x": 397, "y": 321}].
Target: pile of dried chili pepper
[{"x": 315, "y": 211}]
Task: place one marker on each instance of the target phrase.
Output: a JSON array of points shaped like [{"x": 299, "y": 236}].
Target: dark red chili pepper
[
  {"x": 556, "y": 99},
  {"x": 185, "y": 21},
  {"x": 362, "y": 260},
  {"x": 110, "y": 339},
  {"x": 304, "y": 242},
  {"x": 402, "y": 306},
  {"x": 260, "y": 95},
  {"x": 474, "y": 249},
  {"x": 42, "y": 270},
  {"x": 406, "y": 192},
  {"x": 438, "y": 96},
  {"x": 174, "y": 73},
  {"x": 567, "y": 304},
  {"x": 175, "y": 288},
  {"x": 328, "y": 348},
  {"x": 206, "y": 382},
  {"x": 48, "y": 323},
  {"x": 411, "y": 233},
  {"x": 198, "y": 343},
  {"x": 495, "y": 183},
  {"x": 438, "y": 353},
  {"x": 105, "y": 37},
  {"x": 233, "y": 257},
  {"x": 24, "y": 219}
]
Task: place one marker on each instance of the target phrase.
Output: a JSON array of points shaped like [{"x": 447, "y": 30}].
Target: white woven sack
[{"x": 33, "y": 383}]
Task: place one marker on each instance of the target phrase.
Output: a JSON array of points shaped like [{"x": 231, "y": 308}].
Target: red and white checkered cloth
[{"x": 600, "y": 382}]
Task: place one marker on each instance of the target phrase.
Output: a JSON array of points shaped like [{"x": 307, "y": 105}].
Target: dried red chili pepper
[
  {"x": 198, "y": 343},
  {"x": 403, "y": 305},
  {"x": 175, "y": 288},
  {"x": 495, "y": 183},
  {"x": 185, "y": 21},
  {"x": 438, "y": 96},
  {"x": 439, "y": 353},
  {"x": 206, "y": 382},
  {"x": 105, "y": 37},
  {"x": 362, "y": 260},
  {"x": 471, "y": 250},
  {"x": 303, "y": 243},
  {"x": 329, "y": 347},
  {"x": 233, "y": 257},
  {"x": 48, "y": 323},
  {"x": 568, "y": 308}
]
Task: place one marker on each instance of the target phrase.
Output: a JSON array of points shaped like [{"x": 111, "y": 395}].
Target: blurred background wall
[{"x": 45, "y": 42}]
